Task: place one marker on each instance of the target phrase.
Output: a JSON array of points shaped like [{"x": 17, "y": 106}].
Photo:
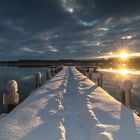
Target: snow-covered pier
[{"x": 70, "y": 107}]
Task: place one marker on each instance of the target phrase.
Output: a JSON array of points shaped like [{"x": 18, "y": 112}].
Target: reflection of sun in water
[
  {"x": 124, "y": 65},
  {"x": 124, "y": 71}
]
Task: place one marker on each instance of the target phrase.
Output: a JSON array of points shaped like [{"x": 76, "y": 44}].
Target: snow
[{"x": 70, "y": 107}]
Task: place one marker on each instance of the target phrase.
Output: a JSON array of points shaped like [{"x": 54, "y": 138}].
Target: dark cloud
[
  {"x": 33, "y": 15},
  {"x": 55, "y": 29},
  {"x": 117, "y": 8}
]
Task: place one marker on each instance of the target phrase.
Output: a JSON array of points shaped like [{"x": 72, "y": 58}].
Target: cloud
[
  {"x": 118, "y": 8},
  {"x": 51, "y": 48},
  {"x": 27, "y": 50},
  {"x": 56, "y": 29}
]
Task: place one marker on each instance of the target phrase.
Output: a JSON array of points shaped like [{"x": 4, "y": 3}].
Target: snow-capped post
[
  {"x": 100, "y": 79},
  {"x": 11, "y": 98},
  {"x": 126, "y": 88},
  {"x": 48, "y": 75},
  {"x": 38, "y": 79}
]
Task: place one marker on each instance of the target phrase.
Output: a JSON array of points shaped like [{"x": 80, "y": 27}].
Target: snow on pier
[{"x": 70, "y": 107}]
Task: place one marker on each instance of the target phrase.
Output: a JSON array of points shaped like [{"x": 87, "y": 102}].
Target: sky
[{"x": 68, "y": 29}]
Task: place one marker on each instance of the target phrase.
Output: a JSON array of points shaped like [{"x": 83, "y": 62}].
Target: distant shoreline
[{"x": 103, "y": 63}]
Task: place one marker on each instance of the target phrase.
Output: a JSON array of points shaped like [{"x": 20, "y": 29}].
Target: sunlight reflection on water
[
  {"x": 113, "y": 79},
  {"x": 122, "y": 71}
]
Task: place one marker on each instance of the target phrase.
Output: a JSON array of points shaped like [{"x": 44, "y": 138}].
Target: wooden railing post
[
  {"x": 38, "y": 79},
  {"x": 100, "y": 79},
  {"x": 126, "y": 88},
  {"x": 11, "y": 98},
  {"x": 48, "y": 75}
]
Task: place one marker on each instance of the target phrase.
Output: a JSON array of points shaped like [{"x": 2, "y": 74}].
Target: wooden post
[
  {"x": 126, "y": 88},
  {"x": 87, "y": 72},
  {"x": 38, "y": 79},
  {"x": 12, "y": 86},
  {"x": 100, "y": 79},
  {"x": 84, "y": 71},
  {"x": 123, "y": 97},
  {"x": 90, "y": 74},
  {"x": 48, "y": 75},
  {"x": 51, "y": 72},
  {"x": 11, "y": 98}
]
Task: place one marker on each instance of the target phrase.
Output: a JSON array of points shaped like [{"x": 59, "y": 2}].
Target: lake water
[
  {"x": 112, "y": 80},
  {"x": 25, "y": 78}
]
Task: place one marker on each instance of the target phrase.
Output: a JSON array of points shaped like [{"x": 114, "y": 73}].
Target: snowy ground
[{"x": 70, "y": 107}]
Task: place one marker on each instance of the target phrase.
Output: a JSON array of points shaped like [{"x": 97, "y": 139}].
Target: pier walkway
[{"x": 70, "y": 107}]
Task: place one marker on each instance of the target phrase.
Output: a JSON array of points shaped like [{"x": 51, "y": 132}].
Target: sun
[{"x": 123, "y": 55}]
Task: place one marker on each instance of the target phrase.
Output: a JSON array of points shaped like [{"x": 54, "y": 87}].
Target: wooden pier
[{"x": 70, "y": 107}]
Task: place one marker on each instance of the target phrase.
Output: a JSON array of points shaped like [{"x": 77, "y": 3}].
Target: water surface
[
  {"x": 113, "y": 79},
  {"x": 25, "y": 78}
]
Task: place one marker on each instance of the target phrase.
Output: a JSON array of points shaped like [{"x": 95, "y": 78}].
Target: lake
[
  {"x": 25, "y": 78},
  {"x": 111, "y": 82}
]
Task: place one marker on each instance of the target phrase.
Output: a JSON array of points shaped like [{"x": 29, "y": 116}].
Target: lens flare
[
  {"x": 124, "y": 71},
  {"x": 123, "y": 55}
]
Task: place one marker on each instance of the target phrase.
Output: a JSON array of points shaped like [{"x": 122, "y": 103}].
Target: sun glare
[
  {"x": 123, "y": 55},
  {"x": 124, "y": 71}
]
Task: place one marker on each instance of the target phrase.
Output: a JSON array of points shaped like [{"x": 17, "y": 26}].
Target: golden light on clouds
[{"x": 121, "y": 53}]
